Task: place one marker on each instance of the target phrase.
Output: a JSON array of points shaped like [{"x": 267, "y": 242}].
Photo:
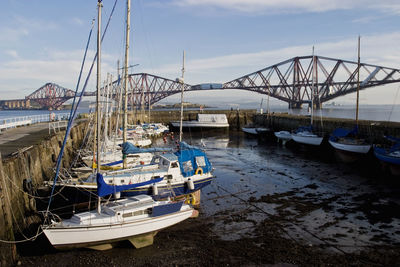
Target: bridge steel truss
[
  {"x": 291, "y": 80},
  {"x": 51, "y": 95},
  {"x": 144, "y": 88}
]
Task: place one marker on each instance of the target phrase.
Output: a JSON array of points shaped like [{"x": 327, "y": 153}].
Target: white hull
[
  {"x": 307, "y": 139},
  {"x": 262, "y": 130},
  {"x": 250, "y": 130},
  {"x": 97, "y": 229},
  {"x": 283, "y": 135},
  {"x": 196, "y": 124},
  {"x": 361, "y": 149}
]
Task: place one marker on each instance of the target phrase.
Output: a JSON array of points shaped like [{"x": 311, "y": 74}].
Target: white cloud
[
  {"x": 379, "y": 49},
  {"x": 60, "y": 67},
  {"x": 288, "y": 6},
  {"x": 375, "y": 49},
  {"x": 21, "y": 27},
  {"x": 12, "y": 53},
  {"x": 77, "y": 21}
]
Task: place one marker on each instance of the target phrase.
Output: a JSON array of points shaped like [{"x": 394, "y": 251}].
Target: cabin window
[
  {"x": 164, "y": 163},
  {"x": 122, "y": 181},
  {"x": 200, "y": 161},
  {"x": 168, "y": 177},
  {"x": 155, "y": 160},
  {"x": 187, "y": 166},
  {"x": 174, "y": 165},
  {"x": 139, "y": 212},
  {"x": 128, "y": 214},
  {"x": 155, "y": 177}
]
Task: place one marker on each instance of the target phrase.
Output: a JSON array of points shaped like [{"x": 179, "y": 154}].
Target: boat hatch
[{"x": 84, "y": 216}]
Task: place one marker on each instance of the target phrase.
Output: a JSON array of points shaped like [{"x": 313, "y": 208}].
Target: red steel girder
[
  {"x": 51, "y": 95},
  {"x": 291, "y": 80}
]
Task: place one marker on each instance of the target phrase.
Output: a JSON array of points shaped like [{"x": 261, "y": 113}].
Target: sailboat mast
[
  {"x": 98, "y": 126},
  {"x": 128, "y": 27},
  {"x": 358, "y": 81},
  {"x": 183, "y": 88},
  {"x": 312, "y": 87},
  {"x": 99, "y": 5}
]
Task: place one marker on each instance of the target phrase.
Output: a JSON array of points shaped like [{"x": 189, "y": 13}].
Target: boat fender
[
  {"x": 199, "y": 170},
  {"x": 117, "y": 195},
  {"x": 155, "y": 189},
  {"x": 190, "y": 184},
  {"x": 190, "y": 199},
  {"x": 27, "y": 186}
]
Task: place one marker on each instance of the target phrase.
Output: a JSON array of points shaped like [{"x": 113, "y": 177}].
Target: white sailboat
[
  {"x": 347, "y": 140},
  {"x": 305, "y": 134},
  {"x": 136, "y": 219},
  {"x": 257, "y": 130},
  {"x": 283, "y": 136}
]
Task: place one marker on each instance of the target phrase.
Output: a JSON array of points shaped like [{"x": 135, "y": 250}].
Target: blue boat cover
[
  {"x": 383, "y": 155},
  {"x": 342, "y": 132},
  {"x": 189, "y": 153},
  {"x": 392, "y": 138},
  {"x": 104, "y": 189},
  {"x": 304, "y": 128},
  {"x": 129, "y": 148}
]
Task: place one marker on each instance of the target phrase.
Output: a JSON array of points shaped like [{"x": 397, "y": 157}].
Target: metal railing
[{"x": 13, "y": 122}]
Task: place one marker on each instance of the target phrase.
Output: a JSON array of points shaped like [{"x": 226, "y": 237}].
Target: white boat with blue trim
[
  {"x": 170, "y": 174},
  {"x": 136, "y": 219}
]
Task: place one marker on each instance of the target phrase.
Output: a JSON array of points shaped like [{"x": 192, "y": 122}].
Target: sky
[{"x": 44, "y": 41}]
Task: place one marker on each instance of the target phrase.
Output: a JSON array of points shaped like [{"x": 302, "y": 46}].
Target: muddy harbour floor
[{"x": 268, "y": 204}]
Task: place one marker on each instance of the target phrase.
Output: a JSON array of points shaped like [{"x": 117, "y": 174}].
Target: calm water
[{"x": 367, "y": 112}]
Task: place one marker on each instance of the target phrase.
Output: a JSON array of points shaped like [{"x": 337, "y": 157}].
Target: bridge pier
[
  {"x": 315, "y": 105},
  {"x": 295, "y": 105}
]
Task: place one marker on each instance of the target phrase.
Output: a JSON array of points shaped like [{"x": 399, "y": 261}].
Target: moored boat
[
  {"x": 136, "y": 219},
  {"x": 305, "y": 135},
  {"x": 182, "y": 172},
  {"x": 204, "y": 121},
  {"x": 347, "y": 140},
  {"x": 283, "y": 136}
]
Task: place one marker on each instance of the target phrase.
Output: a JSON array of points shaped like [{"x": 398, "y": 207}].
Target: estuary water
[{"x": 366, "y": 112}]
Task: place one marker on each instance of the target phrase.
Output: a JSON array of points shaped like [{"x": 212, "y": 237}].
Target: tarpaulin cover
[
  {"x": 303, "y": 129},
  {"x": 189, "y": 153},
  {"x": 392, "y": 138},
  {"x": 342, "y": 132},
  {"x": 129, "y": 148},
  {"x": 104, "y": 189},
  {"x": 383, "y": 155}
]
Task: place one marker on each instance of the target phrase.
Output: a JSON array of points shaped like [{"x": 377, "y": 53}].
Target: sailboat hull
[
  {"x": 108, "y": 233},
  {"x": 250, "y": 130},
  {"x": 385, "y": 156},
  {"x": 283, "y": 135},
  {"x": 81, "y": 192},
  {"x": 354, "y": 148},
  {"x": 309, "y": 139}
]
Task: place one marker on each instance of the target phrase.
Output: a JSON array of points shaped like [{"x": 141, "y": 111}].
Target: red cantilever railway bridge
[{"x": 290, "y": 81}]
